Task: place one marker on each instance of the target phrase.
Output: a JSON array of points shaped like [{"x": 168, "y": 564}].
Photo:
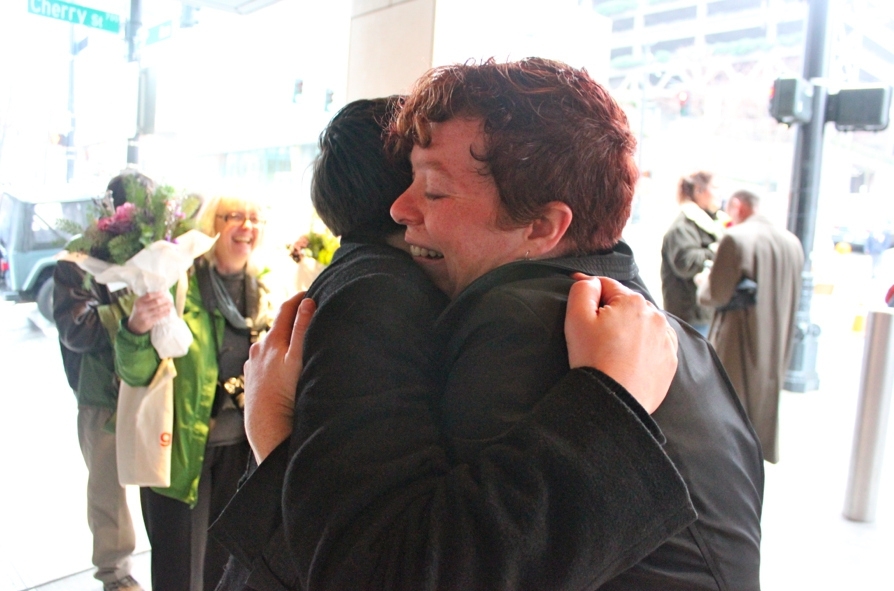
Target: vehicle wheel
[{"x": 45, "y": 299}]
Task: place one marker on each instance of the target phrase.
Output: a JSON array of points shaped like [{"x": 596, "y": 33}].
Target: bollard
[{"x": 876, "y": 383}]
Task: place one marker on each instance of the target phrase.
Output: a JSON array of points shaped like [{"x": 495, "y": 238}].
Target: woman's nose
[{"x": 404, "y": 210}]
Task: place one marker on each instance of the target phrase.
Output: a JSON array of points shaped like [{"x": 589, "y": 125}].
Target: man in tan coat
[{"x": 755, "y": 286}]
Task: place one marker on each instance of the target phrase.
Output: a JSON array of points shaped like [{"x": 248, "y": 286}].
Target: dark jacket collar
[{"x": 617, "y": 264}]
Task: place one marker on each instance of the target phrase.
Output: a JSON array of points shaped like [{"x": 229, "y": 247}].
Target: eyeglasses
[{"x": 237, "y": 217}]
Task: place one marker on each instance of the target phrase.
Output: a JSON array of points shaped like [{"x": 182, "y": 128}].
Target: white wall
[{"x": 393, "y": 42}]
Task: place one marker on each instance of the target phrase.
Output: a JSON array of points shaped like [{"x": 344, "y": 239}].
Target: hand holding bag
[{"x": 145, "y": 421}]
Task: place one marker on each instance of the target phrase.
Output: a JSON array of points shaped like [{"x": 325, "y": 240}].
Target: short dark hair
[
  {"x": 118, "y": 185},
  {"x": 688, "y": 184},
  {"x": 747, "y": 197},
  {"x": 552, "y": 133},
  {"x": 355, "y": 178}
]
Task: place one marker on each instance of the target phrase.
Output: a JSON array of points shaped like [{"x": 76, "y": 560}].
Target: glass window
[
  {"x": 726, "y": 6},
  {"x": 669, "y": 16},
  {"x": 43, "y": 226},
  {"x": 44, "y": 222},
  {"x": 673, "y": 44},
  {"x": 728, "y": 36},
  {"x": 622, "y": 24},
  {"x": 789, "y": 28}
]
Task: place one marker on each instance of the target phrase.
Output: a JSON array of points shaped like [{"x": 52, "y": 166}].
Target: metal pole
[
  {"x": 70, "y": 152},
  {"x": 801, "y": 375},
  {"x": 133, "y": 27},
  {"x": 876, "y": 384}
]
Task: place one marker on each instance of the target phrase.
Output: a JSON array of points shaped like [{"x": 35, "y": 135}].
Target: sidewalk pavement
[{"x": 807, "y": 543}]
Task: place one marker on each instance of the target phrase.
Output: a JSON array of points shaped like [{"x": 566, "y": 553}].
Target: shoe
[{"x": 127, "y": 583}]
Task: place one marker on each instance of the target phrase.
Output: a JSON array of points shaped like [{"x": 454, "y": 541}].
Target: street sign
[
  {"x": 159, "y": 32},
  {"x": 79, "y": 15}
]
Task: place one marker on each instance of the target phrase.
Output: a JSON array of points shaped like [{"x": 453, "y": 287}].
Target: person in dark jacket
[
  {"x": 87, "y": 315},
  {"x": 523, "y": 173},
  {"x": 365, "y": 490},
  {"x": 688, "y": 248}
]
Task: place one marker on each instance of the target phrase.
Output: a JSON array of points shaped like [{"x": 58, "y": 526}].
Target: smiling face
[
  {"x": 451, "y": 209},
  {"x": 238, "y": 239}
]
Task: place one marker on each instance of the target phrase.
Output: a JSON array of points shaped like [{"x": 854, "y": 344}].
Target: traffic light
[
  {"x": 851, "y": 109},
  {"x": 684, "y": 98},
  {"x": 860, "y": 109},
  {"x": 60, "y": 139},
  {"x": 188, "y": 17},
  {"x": 791, "y": 100}
]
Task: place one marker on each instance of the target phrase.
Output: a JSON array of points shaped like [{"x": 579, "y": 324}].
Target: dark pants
[{"x": 183, "y": 556}]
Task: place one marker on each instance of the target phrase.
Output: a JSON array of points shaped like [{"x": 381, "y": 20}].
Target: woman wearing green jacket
[{"x": 226, "y": 309}]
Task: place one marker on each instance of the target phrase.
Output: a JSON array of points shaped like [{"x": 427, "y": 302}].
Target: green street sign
[
  {"x": 79, "y": 15},
  {"x": 159, "y": 32}
]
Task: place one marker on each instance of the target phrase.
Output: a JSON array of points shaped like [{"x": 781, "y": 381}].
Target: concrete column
[
  {"x": 393, "y": 42},
  {"x": 391, "y": 46}
]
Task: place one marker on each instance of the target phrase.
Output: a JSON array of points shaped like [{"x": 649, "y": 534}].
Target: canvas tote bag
[{"x": 144, "y": 422}]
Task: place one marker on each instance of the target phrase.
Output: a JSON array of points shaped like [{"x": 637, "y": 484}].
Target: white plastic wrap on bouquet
[
  {"x": 308, "y": 269},
  {"x": 155, "y": 268}
]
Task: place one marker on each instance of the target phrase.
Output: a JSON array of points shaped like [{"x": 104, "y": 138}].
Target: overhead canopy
[{"x": 237, "y": 6}]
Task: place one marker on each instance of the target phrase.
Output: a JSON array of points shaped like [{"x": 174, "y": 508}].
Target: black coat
[
  {"x": 709, "y": 437},
  {"x": 83, "y": 340},
  {"x": 684, "y": 250},
  {"x": 384, "y": 491}
]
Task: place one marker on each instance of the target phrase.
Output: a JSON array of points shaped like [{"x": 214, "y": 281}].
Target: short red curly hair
[{"x": 552, "y": 133}]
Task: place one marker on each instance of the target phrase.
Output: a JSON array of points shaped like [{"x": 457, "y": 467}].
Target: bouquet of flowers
[
  {"x": 147, "y": 243},
  {"x": 312, "y": 251},
  {"x": 318, "y": 246}
]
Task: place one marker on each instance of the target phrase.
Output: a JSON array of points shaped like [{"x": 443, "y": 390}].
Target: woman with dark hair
[
  {"x": 688, "y": 247},
  {"x": 366, "y": 486}
]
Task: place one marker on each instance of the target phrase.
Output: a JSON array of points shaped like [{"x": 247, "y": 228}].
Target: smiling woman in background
[{"x": 226, "y": 309}]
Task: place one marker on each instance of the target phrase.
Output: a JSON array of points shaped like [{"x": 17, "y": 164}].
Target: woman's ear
[{"x": 546, "y": 232}]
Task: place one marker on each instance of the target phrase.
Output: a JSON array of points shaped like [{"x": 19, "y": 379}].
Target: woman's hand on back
[
  {"x": 617, "y": 331},
  {"x": 271, "y": 377}
]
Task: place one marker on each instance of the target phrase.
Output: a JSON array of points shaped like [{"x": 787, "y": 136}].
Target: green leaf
[
  {"x": 70, "y": 227},
  {"x": 78, "y": 244},
  {"x": 122, "y": 247},
  {"x": 190, "y": 206}
]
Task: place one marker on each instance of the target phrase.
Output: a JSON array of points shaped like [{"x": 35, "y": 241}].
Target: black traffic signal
[
  {"x": 60, "y": 139},
  {"x": 791, "y": 100},
  {"x": 860, "y": 109},
  {"x": 851, "y": 109}
]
